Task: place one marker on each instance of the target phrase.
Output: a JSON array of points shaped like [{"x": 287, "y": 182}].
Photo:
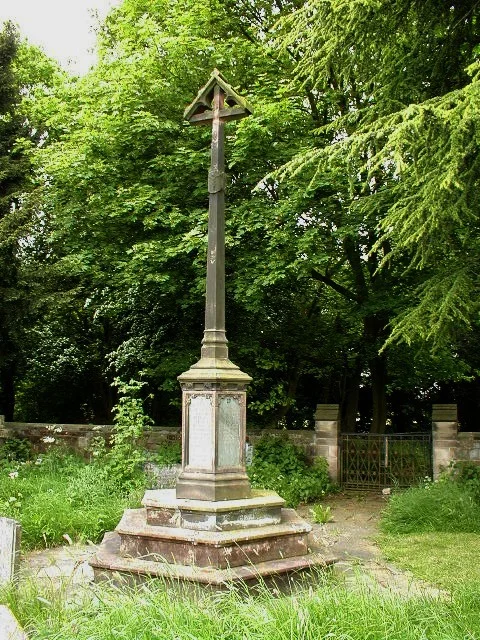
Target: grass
[
  {"x": 444, "y": 559},
  {"x": 60, "y": 494},
  {"x": 155, "y": 613},
  {"x": 434, "y": 532}
]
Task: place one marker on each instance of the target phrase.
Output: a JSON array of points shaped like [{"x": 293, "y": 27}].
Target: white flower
[
  {"x": 38, "y": 461},
  {"x": 48, "y": 439},
  {"x": 13, "y": 474}
]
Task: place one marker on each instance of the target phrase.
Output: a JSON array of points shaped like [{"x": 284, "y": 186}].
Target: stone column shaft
[{"x": 214, "y": 344}]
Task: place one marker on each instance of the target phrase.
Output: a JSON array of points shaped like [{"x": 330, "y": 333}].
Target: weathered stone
[
  {"x": 213, "y": 529},
  {"x": 444, "y": 436},
  {"x": 220, "y": 549},
  {"x": 10, "y": 534},
  {"x": 263, "y": 508},
  {"x": 327, "y": 429},
  {"x": 109, "y": 565},
  {"x": 9, "y": 627},
  {"x": 444, "y": 413}
]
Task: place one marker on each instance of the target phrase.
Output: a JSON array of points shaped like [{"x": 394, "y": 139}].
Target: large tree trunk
[
  {"x": 349, "y": 412},
  {"x": 7, "y": 391},
  {"x": 374, "y": 330},
  {"x": 378, "y": 371}
]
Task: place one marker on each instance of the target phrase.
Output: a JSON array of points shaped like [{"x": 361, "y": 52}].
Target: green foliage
[
  {"x": 125, "y": 458},
  {"x": 369, "y": 61},
  {"x": 467, "y": 475},
  {"x": 439, "y": 506},
  {"x": 15, "y": 449},
  {"x": 168, "y": 454},
  {"x": 60, "y": 495},
  {"x": 281, "y": 466}
]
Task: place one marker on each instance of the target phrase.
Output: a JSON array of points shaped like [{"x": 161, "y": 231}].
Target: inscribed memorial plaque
[
  {"x": 229, "y": 419},
  {"x": 200, "y": 432},
  {"x": 10, "y": 531}
]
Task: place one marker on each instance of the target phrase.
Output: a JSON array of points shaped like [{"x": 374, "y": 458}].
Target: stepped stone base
[
  {"x": 109, "y": 565},
  {"x": 215, "y": 543}
]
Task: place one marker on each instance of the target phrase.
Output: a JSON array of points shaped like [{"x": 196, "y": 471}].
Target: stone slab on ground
[
  {"x": 59, "y": 564},
  {"x": 9, "y": 627}
]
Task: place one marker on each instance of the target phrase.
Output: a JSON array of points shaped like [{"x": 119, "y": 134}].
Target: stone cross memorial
[
  {"x": 10, "y": 534},
  {"x": 212, "y": 528}
]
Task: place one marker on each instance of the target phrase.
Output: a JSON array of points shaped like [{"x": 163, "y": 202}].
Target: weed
[
  {"x": 155, "y": 612},
  {"x": 321, "y": 514},
  {"x": 61, "y": 494}
]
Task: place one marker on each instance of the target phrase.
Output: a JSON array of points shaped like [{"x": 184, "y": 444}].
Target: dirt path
[{"x": 349, "y": 537}]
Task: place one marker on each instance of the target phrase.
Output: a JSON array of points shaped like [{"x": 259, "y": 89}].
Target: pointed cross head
[{"x": 203, "y": 110}]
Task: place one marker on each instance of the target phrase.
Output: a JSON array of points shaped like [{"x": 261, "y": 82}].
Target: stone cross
[
  {"x": 214, "y": 396},
  {"x": 215, "y": 104}
]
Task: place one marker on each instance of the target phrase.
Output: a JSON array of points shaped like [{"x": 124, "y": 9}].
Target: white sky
[{"x": 63, "y": 28}]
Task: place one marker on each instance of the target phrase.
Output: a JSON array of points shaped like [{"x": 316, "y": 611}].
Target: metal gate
[{"x": 373, "y": 461}]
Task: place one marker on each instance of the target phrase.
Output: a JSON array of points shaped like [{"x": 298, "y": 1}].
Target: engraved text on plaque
[
  {"x": 200, "y": 432},
  {"x": 229, "y": 422}
]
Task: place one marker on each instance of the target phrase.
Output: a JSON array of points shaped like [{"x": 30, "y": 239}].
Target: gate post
[
  {"x": 327, "y": 427},
  {"x": 444, "y": 436}
]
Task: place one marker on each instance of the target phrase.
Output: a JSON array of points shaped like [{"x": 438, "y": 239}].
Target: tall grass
[
  {"x": 156, "y": 613},
  {"x": 444, "y": 506},
  {"x": 60, "y": 494}
]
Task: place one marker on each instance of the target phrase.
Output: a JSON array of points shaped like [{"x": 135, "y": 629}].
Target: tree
[
  {"x": 23, "y": 70},
  {"x": 394, "y": 155},
  {"x": 14, "y": 171},
  {"x": 410, "y": 133}
]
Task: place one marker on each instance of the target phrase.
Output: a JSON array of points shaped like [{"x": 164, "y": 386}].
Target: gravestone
[{"x": 10, "y": 533}]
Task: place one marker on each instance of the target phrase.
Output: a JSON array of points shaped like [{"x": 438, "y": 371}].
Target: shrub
[
  {"x": 16, "y": 449},
  {"x": 281, "y": 466},
  {"x": 168, "y": 454},
  {"x": 125, "y": 459},
  {"x": 467, "y": 475}
]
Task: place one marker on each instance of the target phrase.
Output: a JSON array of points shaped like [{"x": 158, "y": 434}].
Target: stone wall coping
[
  {"x": 327, "y": 412},
  {"x": 444, "y": 413},
  {"x": 73, "y": 427}
]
